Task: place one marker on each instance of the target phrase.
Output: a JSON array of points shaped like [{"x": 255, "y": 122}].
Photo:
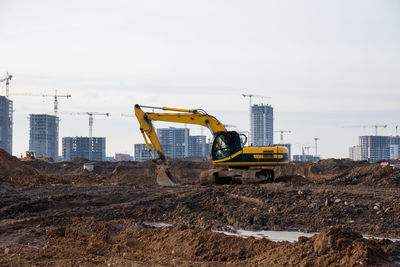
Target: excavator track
[{"x": 237, "y": 176}]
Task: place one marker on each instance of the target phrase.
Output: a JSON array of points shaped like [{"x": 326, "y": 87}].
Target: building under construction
[
  {"x": 374, "y": 147},
  {"x": 262, "y": 125},
  {"x": 92, "y": 148},
  {"x": 6, "y": 123},
  {"x": 43, "y": 137}
]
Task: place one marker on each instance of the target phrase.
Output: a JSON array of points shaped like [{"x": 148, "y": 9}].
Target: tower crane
[
  {"x": 90, "y": 114},
  {"x": 56, "y": 96},
  {"x": 7, "y": 79},
  {"x": 251, "y": 96},
  {"x": 282, "y": 132},
  {"x": 367, "y": 126}
]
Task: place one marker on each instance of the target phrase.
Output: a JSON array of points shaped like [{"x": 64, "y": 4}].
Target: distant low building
[
  {"x": 84, "y": 147},
  {"x": 123, "y": 157},
  {"x": 110, "y": 159},
  {"x": 305, "y": 158}
]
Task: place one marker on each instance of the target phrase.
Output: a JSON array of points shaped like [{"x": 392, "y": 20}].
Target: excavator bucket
[{"x": 164, "y": 176}]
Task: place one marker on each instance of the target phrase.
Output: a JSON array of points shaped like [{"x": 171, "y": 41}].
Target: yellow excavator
[{"x": 227, "y": 149}]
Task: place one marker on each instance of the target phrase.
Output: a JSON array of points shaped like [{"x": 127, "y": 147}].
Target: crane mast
[
  {"x": 282, "y": 132},
  {"x": 7, "y": 79}
]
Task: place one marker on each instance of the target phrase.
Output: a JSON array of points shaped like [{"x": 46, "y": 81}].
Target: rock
[
  {"x": 272, "y": 209},
  {"x": 327, "y": 202}
]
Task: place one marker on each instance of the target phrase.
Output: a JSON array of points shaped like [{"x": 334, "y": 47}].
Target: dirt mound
[
  {"x": 333, "y": 247},
  {"x": 371, "y": 174},
  {"x": 317, "y": 171},
  {"x": 329, "y": 171},
  {"x": 125, "y": 174},
  {"x": 87, "y": 242},
  {"x": 8, "y": 162}
]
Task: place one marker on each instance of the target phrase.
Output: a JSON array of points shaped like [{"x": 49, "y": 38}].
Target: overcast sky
[{"x": 325, "y": 64}]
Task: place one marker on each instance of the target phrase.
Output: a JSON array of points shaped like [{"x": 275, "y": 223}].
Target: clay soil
[{"x": 57, "y": 214}]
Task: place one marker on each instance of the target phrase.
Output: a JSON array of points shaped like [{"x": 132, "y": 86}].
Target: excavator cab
[
  {"x": 30, "y": 154},
  {"x": 225, "y": 145}
]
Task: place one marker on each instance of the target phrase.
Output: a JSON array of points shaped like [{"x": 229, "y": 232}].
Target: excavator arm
[
  {"x": 188, "y": 116},
  {"x": 199, "y": 117}
]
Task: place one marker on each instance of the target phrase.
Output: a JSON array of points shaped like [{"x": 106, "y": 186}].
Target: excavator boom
[{"x": 188, "y": 116}]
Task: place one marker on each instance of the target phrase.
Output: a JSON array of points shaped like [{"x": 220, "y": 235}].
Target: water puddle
[
  {"x": 277, "y": 236},
  {"x": 157, "y": 224}
]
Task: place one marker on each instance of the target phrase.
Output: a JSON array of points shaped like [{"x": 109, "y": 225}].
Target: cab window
[{"x": 225, "y": 145}]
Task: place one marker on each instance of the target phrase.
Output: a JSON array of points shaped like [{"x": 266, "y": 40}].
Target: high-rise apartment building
[
  {"x": 43, "y": 135},
  {"x": 79, "y": 147},
  {"x": 394, "y": 147},
  {"x": 141, "y": 152},
  {"x": 6, "y": 123},
  {"x": 262, "y": 125},
  {"x": 374, "y": 147},
  {"x": 198, "y": 146},
  {"x": 174, "y": 141}
]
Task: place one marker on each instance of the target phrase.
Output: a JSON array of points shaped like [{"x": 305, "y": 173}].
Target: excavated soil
[{"x": 58, "y": 214}]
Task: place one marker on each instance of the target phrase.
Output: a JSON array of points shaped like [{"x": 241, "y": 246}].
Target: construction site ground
[{"x": 58, "y": 214}]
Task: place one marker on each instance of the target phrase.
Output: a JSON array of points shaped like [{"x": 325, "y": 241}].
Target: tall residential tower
[
  {"x": 6, "y": 107},
  {"x": 262, "y": 125},
  {"x": 43, "y": 135}
]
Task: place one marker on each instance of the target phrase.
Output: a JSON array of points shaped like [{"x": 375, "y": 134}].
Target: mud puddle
[
  {"x": 280, "y": 236},
  {"x": 157, "y": 224}
]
